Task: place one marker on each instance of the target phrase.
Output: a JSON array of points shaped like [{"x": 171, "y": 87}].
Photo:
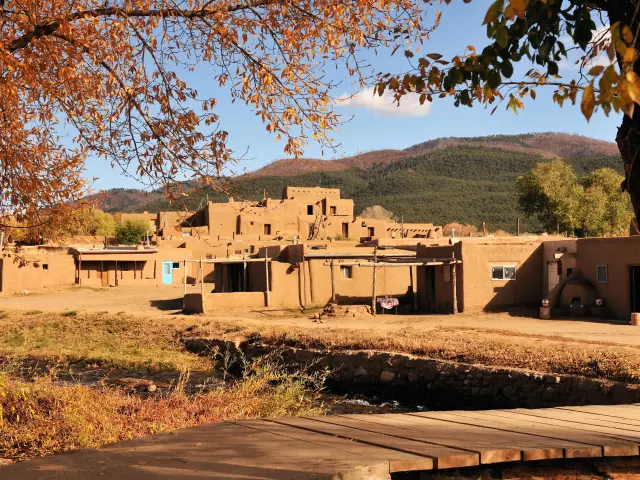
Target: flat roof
[{"x": 115, "y": 250}]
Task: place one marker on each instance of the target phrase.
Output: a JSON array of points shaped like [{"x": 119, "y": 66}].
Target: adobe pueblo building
[
  {"x": 303, "y": 213},
  {"x": 308, "y": 250}
]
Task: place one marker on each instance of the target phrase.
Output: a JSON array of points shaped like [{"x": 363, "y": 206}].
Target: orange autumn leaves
[{"x": 113, "y": 79}]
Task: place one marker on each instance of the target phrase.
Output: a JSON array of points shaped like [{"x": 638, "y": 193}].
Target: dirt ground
[{"x": 160, "y": 301}]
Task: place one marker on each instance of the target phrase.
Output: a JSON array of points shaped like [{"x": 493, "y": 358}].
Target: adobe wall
[
  {"x": 619, "y": 254},
  {"x": 222, "y": 301},
  {"x": 42, "y": 269},
  {"x": 392, "y": 281},
  {"x": 480, "y": 292}
]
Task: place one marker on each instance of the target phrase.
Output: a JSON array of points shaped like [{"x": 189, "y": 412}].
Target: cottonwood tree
[
  {"x": 594, "y": 206},
  {"x": 603, "y": 34},
  {"x": 114, "y": 76}
]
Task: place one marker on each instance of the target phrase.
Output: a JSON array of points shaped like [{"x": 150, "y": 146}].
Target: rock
[
  {"x": 387, "y": 376},
  {"x": 485, "y": 392},
  {"x": 151, "y": 388},
  {"x": 508, "y": 390},
  {"x": 430, "y": 375},
  {"x": 360, "y": 372}
]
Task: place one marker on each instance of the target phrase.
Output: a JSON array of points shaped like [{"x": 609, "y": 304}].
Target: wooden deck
[{"x": 352, "y": 447}]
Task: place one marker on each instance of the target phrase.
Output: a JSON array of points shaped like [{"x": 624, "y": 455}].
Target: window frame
[
  {"x": 346, "y": 268},
  {"x": 173, "y": 265},
  {"x": 606, "y": 272},
  {"x": 504, "y": 275}
]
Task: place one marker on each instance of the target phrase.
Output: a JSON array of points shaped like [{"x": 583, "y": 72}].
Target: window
[
  {"x": 45, "y": 266},
  {"x": 267, "y": 229},
  {"x": 309, "y": 209},
  {"x": 501, "y": 272},
  {"x": 333, "y": 210},
  {"x": 602, "y": 274},
  {"x": 209, "y": 256},
  {"x": 176, "y": 265},
  {"x": 346, "y": 271}
]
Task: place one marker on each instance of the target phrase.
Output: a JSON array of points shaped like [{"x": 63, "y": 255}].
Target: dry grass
[
  {"x": 42, "y": 417},
  {"x": 534, "y": 352},
  {"x": 119, "y": 341}
]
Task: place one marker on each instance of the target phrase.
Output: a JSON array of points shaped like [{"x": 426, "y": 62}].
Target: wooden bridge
[{"x": 351, "y": 447}]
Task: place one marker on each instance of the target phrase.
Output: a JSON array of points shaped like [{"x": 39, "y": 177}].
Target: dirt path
[{"x": 167, "y": 301}]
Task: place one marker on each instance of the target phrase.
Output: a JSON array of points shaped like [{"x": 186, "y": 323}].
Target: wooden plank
[
  {"x": 629, "y": 414},
  {"x": 410, "y": 428},
  {"x": 533, "y": 416},
  {"x": 493, "y": 445},
  {"x": 218, "y": 451},
  {"x": 368, "y": 454},
  {"x": 593, "y": 423},
  {"x": 581, "y": 444},
  {"x": 440, "y": 456}
]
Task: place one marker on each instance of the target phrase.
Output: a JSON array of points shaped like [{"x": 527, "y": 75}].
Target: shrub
[
  {"x": 43, "y": 417},
  {"x": 131, "y": 232}
]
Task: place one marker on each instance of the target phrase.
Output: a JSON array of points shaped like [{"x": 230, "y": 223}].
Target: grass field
[{"x": 40, "y": 415}]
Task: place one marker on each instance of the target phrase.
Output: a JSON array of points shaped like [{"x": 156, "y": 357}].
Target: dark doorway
[
  {"x": 371, "y": 231},
  {"x": 309, "y": 209},
  {"x": 429, "y": 303},
  {"x": 267, "y": 229},
  {"x": 345, "y": 229},
  {"x": 235, "y": 273},
  {"x": 634, "y": 283}
]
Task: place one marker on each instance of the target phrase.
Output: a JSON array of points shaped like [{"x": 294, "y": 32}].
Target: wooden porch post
[
  {"x": 185, "y": 274},
  {"x": 375, "y": 268},
  {"x": 244, "y": 276},
  {"x": 266, "y": 272},
  {"x": 201, "y": 280},
  {"x": 116, "y": 273},
  {"x": 333, "y": 284},
  {"x": 413, "y": 271},
  {"x": 455, "y": 288},
  {"x": 79, "y": 269}
]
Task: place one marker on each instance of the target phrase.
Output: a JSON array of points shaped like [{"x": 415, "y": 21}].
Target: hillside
[{"x": 455, "y": 179}]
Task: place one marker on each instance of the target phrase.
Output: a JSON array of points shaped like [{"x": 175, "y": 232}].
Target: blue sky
[{"x": 374, "y": 127}]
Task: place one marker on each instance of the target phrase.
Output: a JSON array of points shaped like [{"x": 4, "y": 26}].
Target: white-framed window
[
  {"x": 175, "y": 265},
  {"x": 503, "y": 272},
  {"x": 346, "y": 271},
  {"x": 602, "y": 273}
]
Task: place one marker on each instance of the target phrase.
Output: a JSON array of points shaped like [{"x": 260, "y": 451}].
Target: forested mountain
[{"x": 441, "y": 181}]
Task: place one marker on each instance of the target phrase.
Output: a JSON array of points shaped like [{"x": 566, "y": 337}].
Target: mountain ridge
[{"x": 469, "y": 180}]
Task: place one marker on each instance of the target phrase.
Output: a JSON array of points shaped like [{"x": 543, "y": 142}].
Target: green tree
[
  {"x": 594, "y": 207},
  {"x": 601, "y": 37},
  {"x": 100, "y": 223},
  {"x": 550, "y": 192},
  {"x": 605, "y": 185},
  {"x": 130, "y": 232}
]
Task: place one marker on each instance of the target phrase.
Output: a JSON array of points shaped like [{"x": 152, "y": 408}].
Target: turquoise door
[{"x": 167, "y": 273}]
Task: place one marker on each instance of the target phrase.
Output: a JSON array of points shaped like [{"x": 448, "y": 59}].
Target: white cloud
[{"x": 385, "y": 105}]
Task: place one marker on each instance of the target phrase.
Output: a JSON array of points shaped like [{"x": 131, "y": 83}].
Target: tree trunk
[
  {"x": 628, "y": 140},
  {"x": 628, "y": 137}
]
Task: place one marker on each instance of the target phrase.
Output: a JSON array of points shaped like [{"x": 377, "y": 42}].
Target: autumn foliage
[{"x": 111, "y": 79}]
